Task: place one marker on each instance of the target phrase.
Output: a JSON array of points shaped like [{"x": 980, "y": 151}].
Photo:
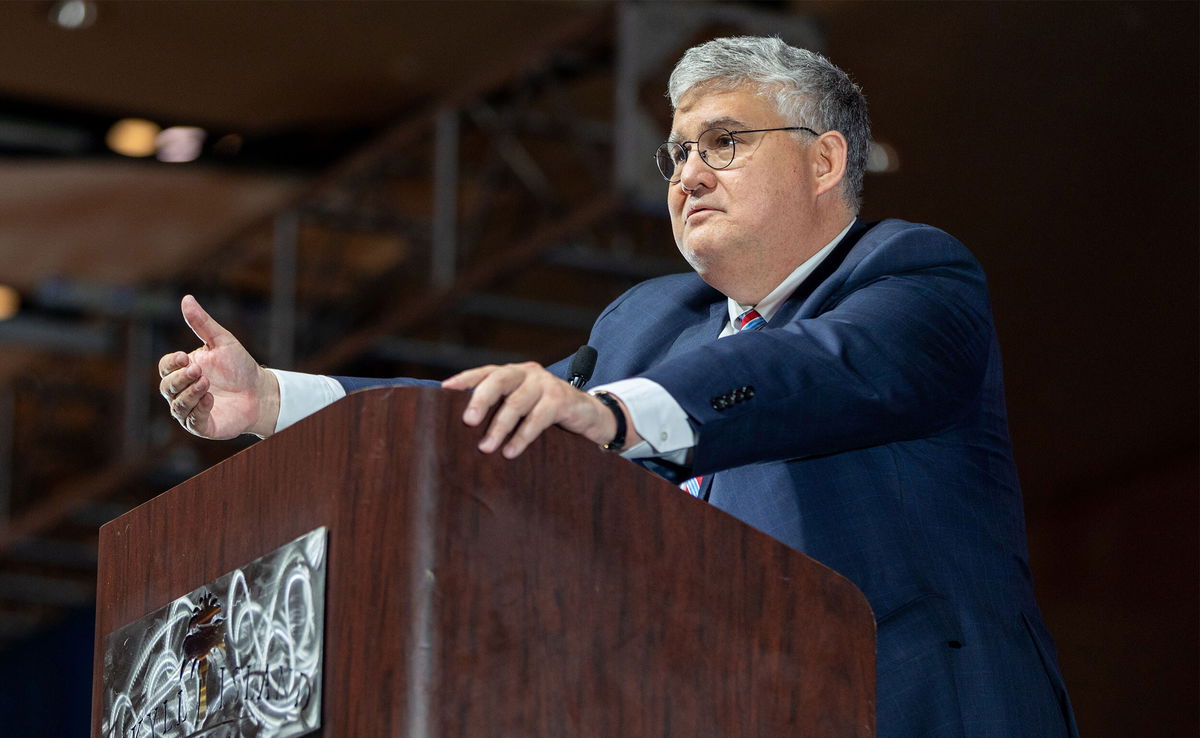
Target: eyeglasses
[{"x": 717, "y": 147}]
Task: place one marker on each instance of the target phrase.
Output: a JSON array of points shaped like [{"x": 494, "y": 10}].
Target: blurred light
[
  {"x": 133, "y": 137},
  {"x": 10, "y": 302},
  {"x": 73, "y": 14},
  {"x": 180, "y": 143},
  {"x": 882, "y": 158}
]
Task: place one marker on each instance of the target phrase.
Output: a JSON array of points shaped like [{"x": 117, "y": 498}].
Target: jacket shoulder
[
  {"x": 679, "y": 290},
  {"x": 900, "y": 239}
]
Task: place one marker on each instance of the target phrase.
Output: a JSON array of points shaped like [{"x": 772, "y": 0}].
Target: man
[{"x": 834, "y": 383}]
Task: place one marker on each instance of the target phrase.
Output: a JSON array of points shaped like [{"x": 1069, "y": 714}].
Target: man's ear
[{"x": 829, "y": 161}]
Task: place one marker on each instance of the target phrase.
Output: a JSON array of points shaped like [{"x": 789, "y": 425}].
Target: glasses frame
[{"x": 687, "y": 150}]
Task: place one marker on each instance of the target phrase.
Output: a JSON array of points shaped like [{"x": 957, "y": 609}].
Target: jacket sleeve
[
  {"x": 350, "y": 384},
  {"x": 897, "y": 350}
]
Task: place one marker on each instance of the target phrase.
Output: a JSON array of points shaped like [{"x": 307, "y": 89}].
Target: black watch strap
[{"x": 617, "y": 444}]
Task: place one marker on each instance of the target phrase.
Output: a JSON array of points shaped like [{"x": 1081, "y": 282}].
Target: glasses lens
[
  {"x": 716, "y": 144},
  {"x": 668, "y": 157}
]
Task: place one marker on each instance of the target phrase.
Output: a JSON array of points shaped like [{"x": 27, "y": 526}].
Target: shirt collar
[{"x": 769, "y": 305}]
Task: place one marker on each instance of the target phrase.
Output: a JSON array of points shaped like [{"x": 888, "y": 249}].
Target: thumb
[{"x": 202, "y": 324}]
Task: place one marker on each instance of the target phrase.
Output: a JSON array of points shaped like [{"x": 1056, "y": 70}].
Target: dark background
[{"x": 1057, "y": 140}]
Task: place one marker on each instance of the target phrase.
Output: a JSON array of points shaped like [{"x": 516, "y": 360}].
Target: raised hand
[{"x": 217, "y": 391}]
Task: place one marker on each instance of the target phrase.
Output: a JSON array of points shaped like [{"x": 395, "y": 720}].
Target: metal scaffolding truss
[{"x": 490, "y": 228}]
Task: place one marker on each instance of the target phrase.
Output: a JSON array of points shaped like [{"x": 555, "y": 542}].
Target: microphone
[{"x": 583, "y": 363}]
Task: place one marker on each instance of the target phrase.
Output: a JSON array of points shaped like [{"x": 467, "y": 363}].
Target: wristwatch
[{"x": 617, "y": 444}]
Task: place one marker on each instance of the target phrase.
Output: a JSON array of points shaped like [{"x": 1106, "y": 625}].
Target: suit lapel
[
  {"x": 699, "y": 333},
  {"x": 824, "y": 271}
]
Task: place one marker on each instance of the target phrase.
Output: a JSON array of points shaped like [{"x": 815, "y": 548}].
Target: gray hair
[{"x": 808, "y": 90}]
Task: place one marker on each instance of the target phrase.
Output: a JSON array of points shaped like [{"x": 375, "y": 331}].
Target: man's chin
[
  {"x": 699, "y": 262},
  {"x": 704, "y": 263},
  {"x": 717, "y": 273}
]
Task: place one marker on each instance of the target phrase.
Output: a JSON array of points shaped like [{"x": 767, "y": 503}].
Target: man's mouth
[{"x": 695, "y": 209}]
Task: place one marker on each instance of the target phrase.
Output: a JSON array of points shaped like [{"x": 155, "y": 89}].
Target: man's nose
[{"x": 694, "y": 174}]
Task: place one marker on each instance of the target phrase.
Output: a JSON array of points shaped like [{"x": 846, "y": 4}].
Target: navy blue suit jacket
[{"x": 874, "y": 440}]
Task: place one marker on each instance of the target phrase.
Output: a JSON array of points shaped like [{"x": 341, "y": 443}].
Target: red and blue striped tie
[{"x": 747, "y": 321}]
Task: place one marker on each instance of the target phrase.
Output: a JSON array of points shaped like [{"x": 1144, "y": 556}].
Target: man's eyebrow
[{"x": 722, "y": 122}]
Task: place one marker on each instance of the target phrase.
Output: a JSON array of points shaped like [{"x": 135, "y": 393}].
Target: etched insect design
[{"x": 205, "y": 634}]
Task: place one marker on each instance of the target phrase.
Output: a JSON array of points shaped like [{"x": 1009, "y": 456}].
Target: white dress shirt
[{"x": 301, "y": 395}]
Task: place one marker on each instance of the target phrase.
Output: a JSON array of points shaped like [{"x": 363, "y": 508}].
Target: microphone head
[{"x": 583, "y": 363}]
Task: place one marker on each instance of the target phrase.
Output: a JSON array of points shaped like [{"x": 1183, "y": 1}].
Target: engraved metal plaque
[{"x": 239, "y": 657}]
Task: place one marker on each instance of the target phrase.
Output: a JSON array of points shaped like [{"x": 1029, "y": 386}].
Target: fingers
[
  {"x": 543, "y": 414},
  {"x": 479, "y": 404},
  {"x": 172, "y": 362},
  {"x": 513, "y": 385},
  {"x": 178, "y": 380},
  {"x": 202, "y": 324},
  {"x": 527, "y": 400},
  {"x": 199, "y": 421},
  {"x": 492, "y": 384},
  {"x": 522, "y": 409},
  {"x": 185, "y": 389},
  {"x": 191, "y": 404}
]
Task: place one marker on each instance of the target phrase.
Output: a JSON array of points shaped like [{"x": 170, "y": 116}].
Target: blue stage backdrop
[{"x": 45, "y": 681}]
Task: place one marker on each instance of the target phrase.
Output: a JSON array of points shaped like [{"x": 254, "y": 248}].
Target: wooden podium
[{"x": 565, "y": 593}]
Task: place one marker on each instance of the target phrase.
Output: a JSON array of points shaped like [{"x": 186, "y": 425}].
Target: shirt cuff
[
  {"x": 656, "y": 416},
  {"x": 301, "y": 395}
]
